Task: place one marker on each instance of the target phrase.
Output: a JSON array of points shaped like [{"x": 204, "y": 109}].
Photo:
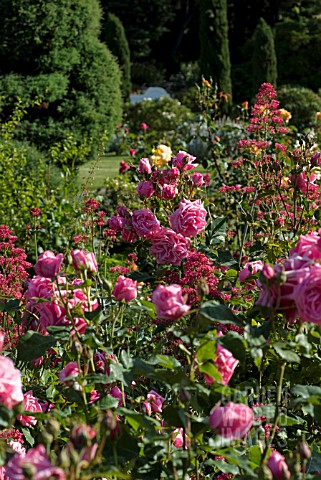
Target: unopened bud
[
  {"x": 109, "y": 421},
  {"x": 304, "y": 450}
]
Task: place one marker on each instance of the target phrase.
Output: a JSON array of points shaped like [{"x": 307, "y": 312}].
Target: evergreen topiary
[
  {"x": 215, "y": 55},
  {"x": 114, "y": 36},
  {"x": 51, "y": 50},
  {"x": 264, "y": 63}
]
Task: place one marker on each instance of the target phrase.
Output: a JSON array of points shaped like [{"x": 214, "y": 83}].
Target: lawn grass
[{"x": 94, "y": 173}]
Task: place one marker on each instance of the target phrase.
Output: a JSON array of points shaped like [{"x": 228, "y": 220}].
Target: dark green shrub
[
  {"x": 114, "y": 36},
  {"x": 264, "y": 65},
  {"x": 302, "y": 103}
]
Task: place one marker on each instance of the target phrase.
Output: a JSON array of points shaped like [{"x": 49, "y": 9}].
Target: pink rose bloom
[
  {"x": 36, "y": 460},
  {"x": 123, "y": 166},
  {"x": 125, "y": 289},
  {"x": 307, "y": 296},
  {"x": 178, "y": 438},
  {"x": 144, "y": 126},
  {"x": 49, "y": 264},
  {"x": 156, "y": 401},
  {"x": 169, "y": 192},
  {"x": 184, "y": 161},
  {"x": 117, "y": 393},
  {"x": 116, "y": 222},
  {"x": 16, "y": 447},
  {"x": 51, "y": 314},
  {"x": 308, "y": 246},
  {"x": 70, "y": 370},
  {"x": 189, "y": 219},
  {"x": 233, "y": 421},
  {"x": 250, "y": 268},
  {"x": 94, "y": 396},
  {"x": 169, "y": 247},
  {"x": 31, "y": 405},
  {"x": 128, "y": 234},
  {"x": 122, "y": 211},
  {"x": 2, "y": 337},
  {"x": 304, "y": 183},
  {"x": 39, "y": 287},
  {"x": 84, "y": 261},
  {"x": 173, "y": 174},
  {"x": 225, "y": 364},
  {"x": 132, "y": 151},
  {"x": 145, "y": 166},
  {"x": 81, "y": 440},
  {"x": 169, "y": 302},
  {"x": 277, "y": 464},
  {"x": 10, "y": 383},
  {"x": 198, "y": 179},
  {"x": 145, "y": 189},
  {"x": 145, "y": 223}
]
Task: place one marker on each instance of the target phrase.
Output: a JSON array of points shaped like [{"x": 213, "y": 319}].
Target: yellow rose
[
  {"x": 245, "y": 105},
  {"x": 318, "y": 115},
  {"x": 162, "y": 154},
  {"x": 285, "y": 114}
]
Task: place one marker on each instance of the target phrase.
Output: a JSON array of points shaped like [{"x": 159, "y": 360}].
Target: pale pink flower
[
  {"x": 169, "y": 247},
  {"x": 189, "y": 219},
  {"x": 184, "y": 161},
  {"x": 70, "y": 370},
  {"x": 125, "y": 289},
  {"x": 31, "y": 404},
  {"x": 305, "y": 183},
  {"x": 145, "y": 223},
  {"x": 49, "y": 264},
  {"x": 10, "y": 383},
  {"x": 145, "y": 189},
  {"x": 250, "y": 268},
  {"x": 178, "y": 437},
  {"x": 277, "y": 464},
  {"x": 145, "y": 166},
  {"x": 81, "y": 260},
  {"x": 36, "y": 460},
  {"x": 307, "y": 296},
  {"x": 169, "y": 302},
  {"x": 51, "y": 314},
  {"x": 225, "y": 364},
  {"x": 233, "y": 421}
]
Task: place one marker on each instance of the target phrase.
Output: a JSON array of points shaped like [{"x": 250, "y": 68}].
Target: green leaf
[
  {"x": 285, "y": 354},
  {"x": 165, "y": 361},
  {"x": 33, "y": 345},
  {"x": 216, "y": 231},
  {"x": 255, "y": 455},
  {"x": 206, "y": 351},
  {"x": 6, "y": 416},
  {"x": 10, "y": 306},
  {"x": 233, "y": 342},
  {"x": 175, "y": 416},
  {"x": 210, "y": 369},
  {"x": 216, "y": 312},
  {"x": 225, "y": 467},
  {"x": 60, "y": 333},
  {"x": 149, "y": 307},
  {"x": 28, "y": 436}
]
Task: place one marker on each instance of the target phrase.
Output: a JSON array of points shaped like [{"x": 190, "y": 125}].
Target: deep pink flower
[
  {"x": 125, "y": 289},
  {"x": 117, "y": 393},
  {"x": 128, "y": 234},
  {"x": 156, "y": 401},
  {"x": 169, "y": 302},
  {"x": 250, "y": 268},
  {"x": 83, "y": 260},
  {"x": 39, "y": 287},
  {"x": 144, "y": 126},
  {"x": 70, "y": 370},
  {"x": 49, "y": 264},
  {"x": 145, "y": 223},
  {"x": 132, "y": 152},
  {"x": 225, "y": 364},
  {"x": 145, "y": 166},
  {"x": 51, "y": 314},
  {"x": 307, "y": 296},
  {"x": 169, "y": 247},
  {"x": 304, "y": 183},
  {"x": 277, "y": 464},
  {"x": 198, "y": 179},
  {"x": 37, "y": 460},
  {"x": 184, "y": 161},
  {"x": 116, "y": 222},
  {"x": 123, "y": 166},
  {"x": 10, "y": 383},
  {"x": 31, "y": 404},
  {"x": 233, "y": 421},
  {"x": 169, "y": 191},
  {"x": 145, "y": 189},
  {"x": 178, "y": 438},
  {"x": 189, "y": 219}
]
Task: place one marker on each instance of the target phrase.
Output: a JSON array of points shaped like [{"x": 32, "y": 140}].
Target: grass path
[{"x": 94, "y": 173}]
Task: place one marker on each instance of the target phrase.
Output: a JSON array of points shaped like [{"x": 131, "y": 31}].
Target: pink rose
[
  {"x": 35, "y": 460},
  {"x": 39, "y": 287},
  {"x": 198, "y": 179},
  {"x": 189, "y": 219},
  {"x": 117, "y": 393},
  {"x": 169, "y": 191},
  {"x": 156, "y": 401},
  {"x": 250, "y": 268},
  {"x": 233, "y": 421},
  {"x": 169, "y": 302},
  {"x": 10, "y": 383},
  {"x": 169, "y": 247},
  {"x": 304, "y": 183},
  {"x": 70, "y": 370},
  {"x": 116, "y": 222},
  {"x": 49, "y": 264},
  {"x": 31, "y": 404},
  {"x": 2, "y": 337},
  {"x": 225, "y": 364},
  {"x": 123, "y": 166},
  {"x": 145, "y": 166},
  {"x": 307, "y": 296},
  {"x": 277, "y": 464},
  {"x": 51, "y": 314},
  {"x": 125, "y": 289},
  {"x": 308, "y": 245},
  {"x": 145, "y": 189},
  {"x": 128, "y": 234},
  {"x": 184, "y": 161},
  {"x": 178, "y": 437},
  {"x": 145, "y": 223},
  {"x": 144, "y": 126},
  {"x": 84, "y": 261}
]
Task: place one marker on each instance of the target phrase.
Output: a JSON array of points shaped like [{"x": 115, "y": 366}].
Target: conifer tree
[{"x": 264, "y": 63}]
